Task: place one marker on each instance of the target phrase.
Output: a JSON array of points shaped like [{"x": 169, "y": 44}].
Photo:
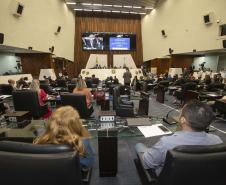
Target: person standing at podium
[{"x": 127, "y": 77}]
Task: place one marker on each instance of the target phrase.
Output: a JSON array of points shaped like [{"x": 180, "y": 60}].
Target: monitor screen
[
  {"x": 93, "y": 41},
  {"x": 119, "y": 43}
]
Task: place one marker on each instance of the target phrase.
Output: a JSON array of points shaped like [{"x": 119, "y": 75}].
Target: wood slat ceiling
[{"x": 144, "y": 4}]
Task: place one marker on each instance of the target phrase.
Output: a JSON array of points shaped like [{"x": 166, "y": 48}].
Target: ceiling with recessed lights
[{"x": 113, "y": 6}]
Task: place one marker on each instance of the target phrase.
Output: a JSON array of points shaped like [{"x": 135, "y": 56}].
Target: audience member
[
  {"x": 12, "y": 83},
  {"x": 65, "y": 127},
  {"x": 194, "y": 119},
  {"x": 81, "y": 88},
  {"x": 35, "y": 85}
]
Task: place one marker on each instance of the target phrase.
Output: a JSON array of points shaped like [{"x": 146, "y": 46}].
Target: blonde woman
[
  {"x": 35, "y": 85},
  {"x": 64, "y": 127},
  {"x": 81, "y": 88}
]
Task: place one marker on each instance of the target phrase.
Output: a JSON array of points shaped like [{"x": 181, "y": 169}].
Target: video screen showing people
[{"x": 93, "y": 42}]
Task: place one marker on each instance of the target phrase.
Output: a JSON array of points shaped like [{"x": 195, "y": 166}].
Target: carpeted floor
[{"x": 127, "y": 173}]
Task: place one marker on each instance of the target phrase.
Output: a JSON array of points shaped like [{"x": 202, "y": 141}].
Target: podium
[{"x": 108, "y": 152}]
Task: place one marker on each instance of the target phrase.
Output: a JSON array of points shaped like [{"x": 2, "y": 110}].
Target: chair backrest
[
  {"x": 77, "y": 101},
  {"x": 61, "y": 83},
  {"x": 190, "y": 95},
  {"x": 189, "y": 86},
  {"x": 196, "y": 165},
  {"x": 116, "y": 95},
  {"x": 71, "y": 87},
  {"x": 6, "y": 89},
  {"x": 27, "y": 100},
  {"x": 23, "y": 163}
]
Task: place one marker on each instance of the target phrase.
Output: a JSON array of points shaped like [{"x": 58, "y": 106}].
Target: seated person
[
  {"x": 21, "y": 83},
  {"x": 64, "y": 127},
  {"x": 207, "y": 80},
  {"x": 195, "y": 117},
  {"x": 12, "y": 83},
  {"x": 49, "y": 90},
  {"x": 35, "y": 85},
  {"x": 81, "y": 88}
]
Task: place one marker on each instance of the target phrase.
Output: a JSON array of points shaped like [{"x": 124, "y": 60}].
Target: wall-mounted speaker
[
  {"x": 208, "y": 18},
  {"x": 58, "y": 30},
  {"x": 51, "y": 49},
  {"x": 1, "y": 38},
  {"x": 18, "y": 9},
  {"x": 163, "y": 33},
  {"x": 30, "y": 48},
  {"x": 194, "y": 50},
  {"x": 224, "y": 43},
  {"x": 170, "y": 51}
]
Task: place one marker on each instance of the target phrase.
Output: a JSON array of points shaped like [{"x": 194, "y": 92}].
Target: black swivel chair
[
  {"x": 123, "y": 108},
  {"x": 24, "y": 163},
  {"x": 77, "y": 101},
  {"x": 27, "y": 100},
  {"x": 48, "y": 89},
  {"x": 61, "y": 83},
  {"x": 189, "y": 165},
  {"x": 6, "y": 89},
  {"x": 71, "y": 87}
]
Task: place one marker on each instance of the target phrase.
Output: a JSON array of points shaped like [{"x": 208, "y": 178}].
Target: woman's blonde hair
[
  {"x": 65, "y": 127},
  {"x": 81, "y": 84},
  {"x": 35, "y": 85}
]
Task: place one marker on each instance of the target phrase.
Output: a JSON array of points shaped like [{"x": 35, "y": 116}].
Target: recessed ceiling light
[
  {"x": 97, "y": 10},
  {"x": 88, "y": 10},
  {"x": 87, "y": 4},
  {"x": 148, "y": 8},
  {"x": 118, "y": 6},
  {"x": 124, "y": 12},
  {"x": 106, "y": 11},
  {"x": 97, "y": 5},
  {"x": 70, "y": 3},
  {"x": 107, "y": 5},
  {"x": 127, "y": 6},
  {"x": 137, "y": 7},
  {"x": 142, "y": 13},
  {"x": 114, "y": 11},
  {"x": 78, "y": 9}
]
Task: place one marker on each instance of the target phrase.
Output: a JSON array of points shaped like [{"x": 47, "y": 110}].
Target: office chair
[
  {"x": 61, "y": 83},
  {"x": 6, "y": 89},
  {"x": 48, "y": 89},
  {"x": 123, "y": 108},
  {"x": 189, "y": 165},
  {"x": 71, "y": 87},
  {"x": 25, "y": 163},
  {"x": 27, "y": 100},
  {"x": 77, "y": 101}
]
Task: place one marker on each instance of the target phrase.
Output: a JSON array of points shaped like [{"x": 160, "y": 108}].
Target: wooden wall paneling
[
  {"x": 32, "y": 63},
  {"x": 100, "y": 22},
  {"x": 162, "y": 64},
  {"x": 181, "y": 61}
]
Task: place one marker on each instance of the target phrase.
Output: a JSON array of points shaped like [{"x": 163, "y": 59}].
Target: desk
[{"x": 210, "y": 95}]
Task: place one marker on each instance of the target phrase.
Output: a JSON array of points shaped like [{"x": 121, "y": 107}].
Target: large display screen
[
  {"x": 108, "y": 41},
  {"x": 119, "y": 43},
  {"x": 93, "y": 41}
]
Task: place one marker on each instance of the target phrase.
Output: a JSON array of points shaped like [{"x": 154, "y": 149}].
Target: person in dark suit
[{"x": 127, "y": 77}]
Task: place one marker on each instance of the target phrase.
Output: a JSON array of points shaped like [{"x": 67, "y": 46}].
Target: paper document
[
  {"x": 5, "y": 96},
  {"x": 154, "y": 130}
]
